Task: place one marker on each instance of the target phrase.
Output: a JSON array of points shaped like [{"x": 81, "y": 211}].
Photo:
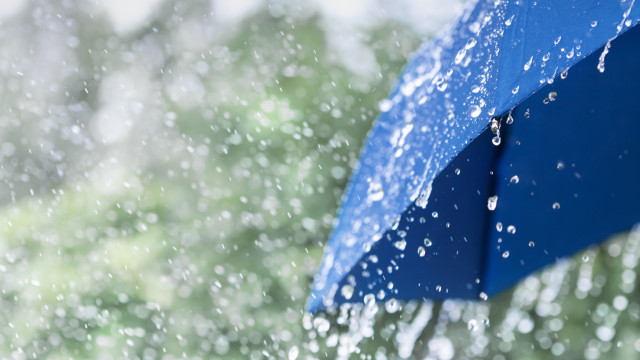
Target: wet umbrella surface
[{"x": 504, "y": 146}]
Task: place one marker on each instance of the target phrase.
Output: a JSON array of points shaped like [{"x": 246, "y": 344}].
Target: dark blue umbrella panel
[{"x": 511, "y": 140}]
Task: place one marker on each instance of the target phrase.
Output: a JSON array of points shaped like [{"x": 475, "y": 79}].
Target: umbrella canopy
[{"x": 504, "y": 146}]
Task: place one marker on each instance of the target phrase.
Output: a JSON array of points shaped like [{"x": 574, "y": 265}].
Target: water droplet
[
  {"x": 492, "y": 202},
  {"x": 474, "y": 111},
  {"x": 293, "y": 353},
  {"x": 400, "y": 244},
  {"x": 594, "y": 23},
  {"x": 395, "y": 223},
  {"x": 511, "y": 229},
  {"x": 560, "y": 165},
  {"x": 505, "y": 254},
  {"x": 486, "y": 322},
  {"x": 381, "y": 294},
  {"x": 472, "y": 325},
  {"x": 532, "y": 244},
  {"x": 347, "y": 291},
  {"x": 385, "y": 105},
  {"x": 460, "y": 55},
  {"x": 457, "y": 171},
  {"x": 527, "y": 114},
  {"x": 427, "y": 242},
  {"x": 527, "y": 65},
  {"x": 421, "y": 251},
  {"x": 402, "y": 234},
  {"x": 375, "y": 191},
  {"x": 546, "y": 57},
  {"x": 585, "y": 258},
  {"x": 496, "y": 140},
  {"x": 515, "y": 89},
  {"x": 369, "y": 300},
  {"x": 391, "y": 306},
  {"x": 557, "y": 41},
  {"x": 499, "y": 226},
  {"x": 556, "y": 206},
  {"x": 564, "y": 74},
  {"x": 545, "y": 101},
  {"x": 509, "y": 119},
  {"x": 553, "y": 96},
  {"x": 321, "y": 324},
  {"x": 441, "y": 84},
  {"x": 483, "y": 296},
  {"x": 434, "y": 214},
  {"x": 438, "y": 288},
  {"x": 495, "y": 125},
  {"x": 603, "y": 55},
  {"x": 470, "y": 43},
  {"x": 514, "y": 179}
]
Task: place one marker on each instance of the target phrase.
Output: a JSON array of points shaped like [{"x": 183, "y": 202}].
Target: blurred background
[{"x": 170, "y": 172}]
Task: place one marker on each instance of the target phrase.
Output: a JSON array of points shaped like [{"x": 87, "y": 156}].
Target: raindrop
[
  {"x": 474, "y": 111},
  {"x": 322, "y": 325},
  {"x": 495, "y": 125},
  {"x": 545, "y": 101},
  {"x": 483, "y": 296},
  {"x": 460, "y": 55},
  {"x": 457, "y": 171},
  {"x": 400, "y": 244},
  {"x": 470, "y": 43},
  {"x": 391, "y": 306},
  {"x": 434, "y": 214},
  {"x": 496, "y": 140},
  {"x": 381, "y": 294},
  {"x": 438, "y": 288},
  {"x": 560, "y": 165},
  {"x": 505, "y": 254},
  {"x": 527, "y": 114},
  {"x": 369, "y": 300},
  {"x": 347, "y": 291},
  {"x": 532, "y": 244},
  {"x": 395, "y": 223},
  {"x": 603, "y": 55},
  {"x": 515, "y": 89},
  {"x": 385, "y": 105},
  {"x": 375, "y": 191},
  {"x": 509, "y": 119},
  {"x": 293, "y": 353},
  {"x": 556, "y": 206},
  {"x": 553, "y": 96},
  {"x": 492, "y": 202},
  {"x": 511, "y": 229},
  {"x": 472, "y": 325},
  {"x": 564, "y": 74},
  {"x": 514, "y": 179},
  {"x": 585, "y": 258},
  {"x": 427, "y": 242},
  {"x": 557, "y": 41},
  {"x": 594, "y": 23},
  {"x": 486, "y": 322},
  {"x": 527, "y": 65},
  {"x": 421, "y": 251},
  {"x": 441, "y": 84},
  {"x": 499, "y": 226}
]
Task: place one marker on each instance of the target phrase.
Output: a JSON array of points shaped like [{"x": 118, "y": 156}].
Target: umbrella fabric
[{"x": 511, "y": 140}]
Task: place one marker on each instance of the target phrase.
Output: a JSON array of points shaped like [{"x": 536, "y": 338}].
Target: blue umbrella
[{"x": 512, "y": 139}]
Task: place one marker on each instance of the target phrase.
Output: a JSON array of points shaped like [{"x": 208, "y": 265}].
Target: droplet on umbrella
[
  {"x": 385, "y": 105},
  {"x": 427, "y": 242},
  {"x": 560, "y": 165},
  {"x": 483, "y": 296},
  {"x": 472, "y": 325},
  {"x": 470, "y": 43},
  {"x": 514, "y": 179},
  {"x": 509, "y": 119},
  {"x": 459, "y": 56},
  {"x": 492, "y": 202},
  {"x": 515, "y": 89},
  {"x": 505, "y": 254},
  {"x": 441, "y": 84},
  {"x": 369, "y": 299},
  {"x": 321, "y": 324},
  {"x": 474, "y": 111},
  {"x": 391, "y": 306},
  {"x": 532, "y": 244},
  {"x": 400, "y": 244},
  {"x": 527, "y": 65},
  {"x": 347, "y": 291},
  {"x": 375, "y": 191},
  {"x": 556, "y": 206},
  {"x": 594, "y": 23},
  {"x": 553, "y": 96},
  {"x": 564, "y": 74},
  {"x": 499, "y": 226},
  {"x": 457, "y": 171},
  {"x": 434, "y": 214},
  {"x": 421, "y": 251},
  {"x": 381, "y": 294},
  {"x": 585, "y": 258},
  {"x": 438, "y": 288},
  {"x": 496, "y": 140},
  {"x": 511, "y": 229}
]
